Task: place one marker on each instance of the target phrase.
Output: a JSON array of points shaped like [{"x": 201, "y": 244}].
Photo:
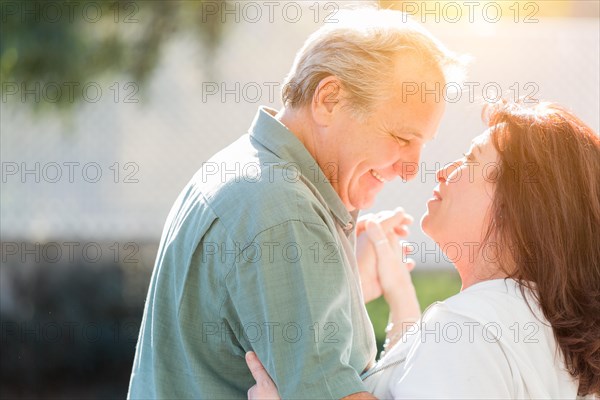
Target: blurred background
[{"x": 109, "y": 107}]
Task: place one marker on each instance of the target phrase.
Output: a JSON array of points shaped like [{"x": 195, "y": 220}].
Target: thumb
[
  {"x": 361, "y": 222},
  {"x": 258, "y": 371}
]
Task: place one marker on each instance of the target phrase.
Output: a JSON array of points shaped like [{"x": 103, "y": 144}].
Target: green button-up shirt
[{"x": 257, "y": 254}]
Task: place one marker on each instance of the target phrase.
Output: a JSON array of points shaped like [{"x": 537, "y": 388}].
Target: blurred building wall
[{"x": 145, "y": 152}]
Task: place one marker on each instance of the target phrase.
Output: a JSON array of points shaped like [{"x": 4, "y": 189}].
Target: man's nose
[{"x": 407, "y": 167}]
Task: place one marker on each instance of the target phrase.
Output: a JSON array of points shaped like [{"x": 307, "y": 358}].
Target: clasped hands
[{"x": 382, "y": 260}]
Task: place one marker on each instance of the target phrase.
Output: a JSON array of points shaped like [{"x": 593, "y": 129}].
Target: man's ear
[{"x": 326, "y": 99}]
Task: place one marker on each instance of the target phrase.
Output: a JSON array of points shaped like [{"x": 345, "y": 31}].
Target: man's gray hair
[{"x": 360, "y": 50}]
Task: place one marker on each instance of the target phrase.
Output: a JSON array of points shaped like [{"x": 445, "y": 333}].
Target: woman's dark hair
[{"x": 546, "y": 218}]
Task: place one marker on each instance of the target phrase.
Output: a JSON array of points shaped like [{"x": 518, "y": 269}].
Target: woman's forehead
[{"x": 481, "y": 139}]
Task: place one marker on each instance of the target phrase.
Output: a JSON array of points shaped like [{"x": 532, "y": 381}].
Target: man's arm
[{"x": 294, "y": 286}]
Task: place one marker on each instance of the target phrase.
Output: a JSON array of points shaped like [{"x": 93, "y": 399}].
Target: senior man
[{"x": 258, "y": 251}]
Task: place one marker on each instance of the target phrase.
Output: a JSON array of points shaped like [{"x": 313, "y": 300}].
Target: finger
[
  {"x": 381, "y": 242},
  {"x": 365, "y": 217},
  {"x": 360, "y": 223},
  {"x": 407, "y": 248},
  {"x": 390, "y": 218},
  {"x": 410, "y": 264},
  {"x": 392, "y": 271},
  {"x": 397, "y": 219},
  {"x": 401, "y": 230},
  {"x": 383, "y": 215},
  {"x": 375, "y": 232},
  {"x": 397, "y": 246},
  {"x": 404, "y": 220},
  {"x": 257, "y": 369}
]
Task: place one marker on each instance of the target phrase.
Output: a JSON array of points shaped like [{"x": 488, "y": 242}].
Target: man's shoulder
[{"x": 250, "y": 189}]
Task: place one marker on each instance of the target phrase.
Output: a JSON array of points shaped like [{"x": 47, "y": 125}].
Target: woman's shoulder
[
  {"x": 498, "y": 309},
  {"x": 492, "y": 300}
]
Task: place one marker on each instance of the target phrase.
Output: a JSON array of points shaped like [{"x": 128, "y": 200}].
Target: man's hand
[
  {"x": 265, "y": 388},
  {"x": 395, "y": 224}
]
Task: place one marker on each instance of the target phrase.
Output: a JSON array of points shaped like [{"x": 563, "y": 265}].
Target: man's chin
[
  {"x": 363, "y": 203},
  {"x": 361, "y": 199}
]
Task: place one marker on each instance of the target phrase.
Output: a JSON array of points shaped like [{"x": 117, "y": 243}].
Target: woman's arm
[{"x": 265, "y": 388}]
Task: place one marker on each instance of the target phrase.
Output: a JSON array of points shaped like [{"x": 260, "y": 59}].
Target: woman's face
[{"x": 458, "y": 211}]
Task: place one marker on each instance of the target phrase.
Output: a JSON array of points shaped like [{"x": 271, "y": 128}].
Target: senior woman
[{"x": 519, "y": 215}]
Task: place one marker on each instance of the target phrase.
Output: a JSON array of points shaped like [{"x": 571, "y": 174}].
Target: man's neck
[
  {"x": 298, "y": 122},
  {"x": 303, "y": 126}
]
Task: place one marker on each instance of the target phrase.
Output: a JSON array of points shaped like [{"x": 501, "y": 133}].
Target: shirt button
[{"x": 348, "y": 226}]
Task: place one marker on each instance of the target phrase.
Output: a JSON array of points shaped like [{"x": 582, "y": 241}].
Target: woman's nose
[{"x": 442, "y": 174}]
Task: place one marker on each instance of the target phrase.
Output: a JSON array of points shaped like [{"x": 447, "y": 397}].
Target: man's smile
[{"x": 377, "y": 176}]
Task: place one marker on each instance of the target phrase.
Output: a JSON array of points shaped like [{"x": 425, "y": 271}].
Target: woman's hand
[
  {"x": 265, "y": 388},
  {"x": 394, "y": 223},
  {"x": 393, "y": 269}
]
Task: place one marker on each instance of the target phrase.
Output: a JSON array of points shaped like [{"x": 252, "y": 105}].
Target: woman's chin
[
  {"x": 429, "y": 228},
  {"x": 425, "y": 224}
]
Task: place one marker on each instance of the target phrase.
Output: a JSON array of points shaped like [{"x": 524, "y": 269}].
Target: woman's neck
[{"x": 478, "y": 271}]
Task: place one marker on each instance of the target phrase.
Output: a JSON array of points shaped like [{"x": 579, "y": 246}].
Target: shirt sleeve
[
  {"x": 291, "y": 290},
  {"x": 453, "y": 357}
]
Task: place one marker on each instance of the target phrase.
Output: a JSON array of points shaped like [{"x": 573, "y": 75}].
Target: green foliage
[
  {"x": 431, "y": 286},
  {"x": 56, "y": 42}
]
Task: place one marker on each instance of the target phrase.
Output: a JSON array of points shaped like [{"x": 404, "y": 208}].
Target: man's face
[{"x": 387, "y": 144}]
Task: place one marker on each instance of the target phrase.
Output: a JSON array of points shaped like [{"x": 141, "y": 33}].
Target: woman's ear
[{"x": 326, "y": 99}]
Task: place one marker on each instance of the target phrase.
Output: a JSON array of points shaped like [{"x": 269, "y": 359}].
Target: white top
[{"x": 482, "y": 343}]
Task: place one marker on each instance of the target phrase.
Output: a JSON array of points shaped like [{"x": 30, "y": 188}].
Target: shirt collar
[{"x": 279, "y": 140}]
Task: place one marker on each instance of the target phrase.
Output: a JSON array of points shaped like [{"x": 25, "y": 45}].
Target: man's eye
[{"x": 402, "y": 141}]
